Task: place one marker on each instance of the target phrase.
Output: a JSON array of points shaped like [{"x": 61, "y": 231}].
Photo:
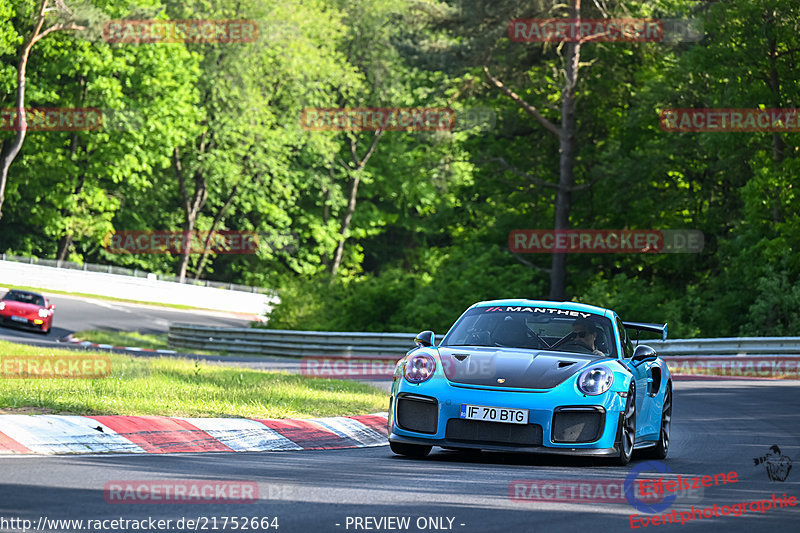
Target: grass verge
[
  {"x": 177, "y": 387},
  {"x": 134, "y": 339},
  {"x": 124, "y": 338}
]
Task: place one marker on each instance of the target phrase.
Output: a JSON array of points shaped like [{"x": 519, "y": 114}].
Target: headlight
[
  {"x": 419, "y": 368},
  {"x": 398, "y": 371},
  {"x": 43, "y": 313},
  {"x": 2, "y": 305},
  {"x": 595, "y": 381}
]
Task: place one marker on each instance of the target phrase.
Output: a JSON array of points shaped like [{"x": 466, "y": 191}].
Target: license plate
[
  {"x": 494, "y": 414},
  {"x": 19, "y": 319}
]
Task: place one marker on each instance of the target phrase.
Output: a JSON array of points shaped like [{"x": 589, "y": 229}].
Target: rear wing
[{"x": 652, "y": 328}]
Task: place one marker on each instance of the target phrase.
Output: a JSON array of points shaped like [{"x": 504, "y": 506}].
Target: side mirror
[
  {"x": 424, "y": 338},
  {"x": 644, "y": 353},
  {"x": 52, "y": 306}
]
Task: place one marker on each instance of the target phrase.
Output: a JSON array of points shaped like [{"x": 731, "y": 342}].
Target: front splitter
[{"x": 585, "y": 452}]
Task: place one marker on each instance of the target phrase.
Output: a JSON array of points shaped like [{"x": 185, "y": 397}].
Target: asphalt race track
[
  {"x": 719, "y": 427},
  {"x": 75, "y": 313}
]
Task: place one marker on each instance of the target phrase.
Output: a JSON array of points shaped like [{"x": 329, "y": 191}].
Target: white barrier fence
[{"x": 133, "y": 288}]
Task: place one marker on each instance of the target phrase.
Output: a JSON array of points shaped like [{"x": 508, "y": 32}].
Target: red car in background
[{"x": 23, "y": 308}]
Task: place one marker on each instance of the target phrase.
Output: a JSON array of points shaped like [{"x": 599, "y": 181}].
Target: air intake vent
[
  {"x": 578, "y": 424},
  {"x": 476, "y": 431},
  {"x": 417, "y": 413}
]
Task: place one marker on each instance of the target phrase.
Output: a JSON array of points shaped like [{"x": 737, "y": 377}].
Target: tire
[
  {"x": 410, "y": 450},
  {"x": 626, "y": 432},
  {"x": 660, "y": 450}
]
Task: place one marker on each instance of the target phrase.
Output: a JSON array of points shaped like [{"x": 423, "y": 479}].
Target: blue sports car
[{"x": 534, "y": 376}]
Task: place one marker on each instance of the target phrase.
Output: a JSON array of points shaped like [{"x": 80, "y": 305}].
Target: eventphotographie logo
[{"x": 777, "y": 465}]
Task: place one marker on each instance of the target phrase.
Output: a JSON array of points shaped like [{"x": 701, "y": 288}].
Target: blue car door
[{"x": 642, "y": 376}]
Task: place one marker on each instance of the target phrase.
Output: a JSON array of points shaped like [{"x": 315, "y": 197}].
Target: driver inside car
[{"x": 585, "y": 333}]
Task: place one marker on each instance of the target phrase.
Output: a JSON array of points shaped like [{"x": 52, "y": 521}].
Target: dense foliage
[{"x": 401, "y": 231}]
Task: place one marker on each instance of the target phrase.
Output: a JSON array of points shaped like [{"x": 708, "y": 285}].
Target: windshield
[
  {"x": 537, "y": 328},
  {"x": 24, "y": 297}
]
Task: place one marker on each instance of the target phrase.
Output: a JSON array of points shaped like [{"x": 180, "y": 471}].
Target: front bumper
[
  {"x": 594, "y": 452},
  {"x": 445, "y": 400},
  {"x": 29, "y": 322}
]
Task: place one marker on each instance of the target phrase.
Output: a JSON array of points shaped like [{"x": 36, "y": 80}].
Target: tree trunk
[
  {"x": 64, "y": 244},
  {"x": 326, "y": 212},
  {"x": 22, "y": 123},
  {"x": 351, "y": 207},
  {"x": 358, "y": 167},
  {"x": 192, "y": 206},
  {"x": 214, "y": 224},
  {"x": 567, "y": 146},
  {"x": 566, "y": 178},
  {"x": 10, "y": 153}
]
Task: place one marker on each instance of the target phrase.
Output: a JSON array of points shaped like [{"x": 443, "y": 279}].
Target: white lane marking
[{"x": 107, "y": 305}]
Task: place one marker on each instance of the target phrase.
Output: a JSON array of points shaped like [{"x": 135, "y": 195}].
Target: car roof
[{"x": 569, "y": 306}]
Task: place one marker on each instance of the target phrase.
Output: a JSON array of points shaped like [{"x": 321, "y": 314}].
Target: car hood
[
  {"x": 511, "y": 367},
  {"x": 21, "y": 308}
]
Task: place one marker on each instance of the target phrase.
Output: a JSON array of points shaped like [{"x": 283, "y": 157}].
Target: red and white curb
[
  {"x": 56, "y": 434},
  {"x": 70, "y": 339}
]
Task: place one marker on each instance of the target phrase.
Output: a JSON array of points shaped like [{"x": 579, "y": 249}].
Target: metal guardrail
[
  {"x": 394, "y": 345},
  {"x": 727, "y": 346},
  {"x": 292, "y": 343}
]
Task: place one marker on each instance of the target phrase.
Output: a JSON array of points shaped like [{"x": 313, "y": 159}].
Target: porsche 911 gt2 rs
[{"x": 534, "y": 376}]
